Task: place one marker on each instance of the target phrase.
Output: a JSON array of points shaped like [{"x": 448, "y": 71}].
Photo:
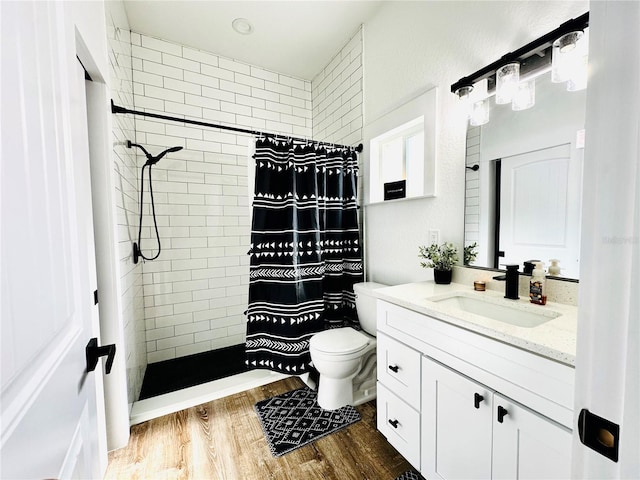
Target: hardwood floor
[{"x": 223, "y": 440}]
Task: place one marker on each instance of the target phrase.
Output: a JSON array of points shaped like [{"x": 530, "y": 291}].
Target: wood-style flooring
[{"x": 223, "y": 440}]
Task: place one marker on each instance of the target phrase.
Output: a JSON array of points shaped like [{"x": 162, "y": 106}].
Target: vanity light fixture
[
  {"x": 527, "y": 62},
  {"x": 580, "y": 64},
  {"x": 565, "y": 56},
  {"x": 463, "y": 93},
  {"x": 507, "y": 80},
  {"x": 479, "y": 99}
]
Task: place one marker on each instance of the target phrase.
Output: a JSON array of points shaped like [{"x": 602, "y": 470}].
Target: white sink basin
[{"x": 518, "y": 314}]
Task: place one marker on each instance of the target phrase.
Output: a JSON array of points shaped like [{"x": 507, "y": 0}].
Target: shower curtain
[{"x": 305, "y": 251}]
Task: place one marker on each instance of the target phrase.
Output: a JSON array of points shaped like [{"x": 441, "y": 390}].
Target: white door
[
  {"x": 48, "y": 400},
  {"x": 527, "y": 445},
  {"x": 540, "y": 198},
  {"x": 456, "y": 425}
]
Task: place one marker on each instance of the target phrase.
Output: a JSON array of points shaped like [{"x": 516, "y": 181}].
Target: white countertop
[{"x": 554, "y": 339}]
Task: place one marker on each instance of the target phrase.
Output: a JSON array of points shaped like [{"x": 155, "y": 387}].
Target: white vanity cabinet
[
  {"x": 471, "y": 432},
  {"x": 484, "y": 408}
]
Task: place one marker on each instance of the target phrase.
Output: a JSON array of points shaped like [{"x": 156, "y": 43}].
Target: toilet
[{"x": 346, "y": 358}]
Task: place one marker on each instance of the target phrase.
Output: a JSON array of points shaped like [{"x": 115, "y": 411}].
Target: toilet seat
[{"x": 339, "y": 341}]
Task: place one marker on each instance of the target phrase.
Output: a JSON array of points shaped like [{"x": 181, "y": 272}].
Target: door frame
[{"x": 116, "y": 405}]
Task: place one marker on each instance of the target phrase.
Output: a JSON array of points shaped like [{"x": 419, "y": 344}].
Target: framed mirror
[{"x": 524, "y": 182}]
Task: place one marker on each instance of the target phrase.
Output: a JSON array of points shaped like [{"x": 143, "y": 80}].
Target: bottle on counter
[{"x": 537, "y": 291}]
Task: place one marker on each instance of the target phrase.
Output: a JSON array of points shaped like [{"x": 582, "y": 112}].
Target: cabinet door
[
  {"x": 527, "y": 445},
  {"x": 456, "y": 425}
]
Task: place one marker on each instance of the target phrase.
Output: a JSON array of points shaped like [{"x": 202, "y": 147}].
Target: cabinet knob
[
  {"x": 394, "y": 368},
  {"x": 477, "y": 400},
  {"x": 502, "y": 412},
  {"x": 394, "y": 423}
]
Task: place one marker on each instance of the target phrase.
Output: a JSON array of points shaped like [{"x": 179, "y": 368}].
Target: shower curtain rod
[{"x": 117, "y": 109}]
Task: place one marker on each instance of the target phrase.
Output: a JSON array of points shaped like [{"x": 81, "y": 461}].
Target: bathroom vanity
[{"x": 471, "y": 385}]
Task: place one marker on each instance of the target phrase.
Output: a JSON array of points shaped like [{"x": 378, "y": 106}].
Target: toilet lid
[{"x": 339, "y": 341}]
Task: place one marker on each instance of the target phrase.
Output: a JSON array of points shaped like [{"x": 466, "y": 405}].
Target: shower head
[{"x": 152, "y": 160}]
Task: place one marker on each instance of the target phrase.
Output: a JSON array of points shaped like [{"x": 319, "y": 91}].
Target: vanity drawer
[
  {"x": 399, "y": 369},
  {"x": 400, "y": 424}
]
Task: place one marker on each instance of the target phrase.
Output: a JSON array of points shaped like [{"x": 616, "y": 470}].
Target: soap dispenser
[{"x": 537, "y": 290}]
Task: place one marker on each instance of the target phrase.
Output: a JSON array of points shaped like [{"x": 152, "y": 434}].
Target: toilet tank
[{"x": 366, "y": 305}]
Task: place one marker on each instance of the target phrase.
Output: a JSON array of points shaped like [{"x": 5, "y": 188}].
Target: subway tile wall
[
  {"x": 337, "y": 93},
  {"x": 125, "y": 197},
  {"x": 195, "y": 293},
  {"x": 337, "y": 96}
]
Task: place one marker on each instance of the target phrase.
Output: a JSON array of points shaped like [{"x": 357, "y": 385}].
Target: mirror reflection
[{"x": 523, "y": 201}]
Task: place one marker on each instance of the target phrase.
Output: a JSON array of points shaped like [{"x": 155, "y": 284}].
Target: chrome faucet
[{"x": 512, "y": 281}]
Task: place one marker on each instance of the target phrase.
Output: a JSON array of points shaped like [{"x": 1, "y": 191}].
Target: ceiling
[{"x": 296, "y": 37}]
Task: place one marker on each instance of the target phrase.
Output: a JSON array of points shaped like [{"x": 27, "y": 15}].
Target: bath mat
[
  {"x": 295, "y": 419},
  {"x": 410, "y": 475}
]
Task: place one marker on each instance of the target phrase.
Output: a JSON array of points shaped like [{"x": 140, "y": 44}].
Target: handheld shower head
[{"x": 151, "y": 160}]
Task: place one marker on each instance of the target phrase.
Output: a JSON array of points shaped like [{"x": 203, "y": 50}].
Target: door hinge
[{"x": 95, "y": 297}]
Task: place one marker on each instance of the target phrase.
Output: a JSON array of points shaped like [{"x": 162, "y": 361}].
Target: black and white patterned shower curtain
[{"x": 305, "y": 251}]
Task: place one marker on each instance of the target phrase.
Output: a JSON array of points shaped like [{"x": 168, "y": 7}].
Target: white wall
[
  {"x": 410, "y": 47},
  {"x": 195, "y": 293}
]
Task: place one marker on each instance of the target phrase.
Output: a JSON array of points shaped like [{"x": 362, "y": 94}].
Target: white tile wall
[
  {"x": 196, "y": 292},
  {"x": 337, "y": 93},
  {"x": 337, "y": 96},
  {"x": 126, "y": 180}
]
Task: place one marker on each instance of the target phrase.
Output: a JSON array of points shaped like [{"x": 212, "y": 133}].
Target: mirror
[{"x": 523, "y": 201}]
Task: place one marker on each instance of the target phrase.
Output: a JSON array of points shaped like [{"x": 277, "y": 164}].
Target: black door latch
[{"x": 94, "y": 352}]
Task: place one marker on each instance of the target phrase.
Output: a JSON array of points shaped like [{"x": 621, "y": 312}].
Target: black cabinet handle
[
  {"x": 394, "y": 368},
  {"x": 502, "y": 412},
  {"x": 93, "y": 352},
  {"x": 477, "y": 400},
  {"x": 394, "y": 423}
]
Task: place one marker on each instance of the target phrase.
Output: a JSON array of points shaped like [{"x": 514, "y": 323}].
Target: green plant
[
  {"x": 440, "y": 257},
  {"x": 470, "y": 253}
]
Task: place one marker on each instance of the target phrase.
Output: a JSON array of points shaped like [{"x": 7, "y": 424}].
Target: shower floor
[{"x": 178, "y": 373}]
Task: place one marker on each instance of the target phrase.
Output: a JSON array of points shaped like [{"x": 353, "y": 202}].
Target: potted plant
[{"x": 441, "y": 258}]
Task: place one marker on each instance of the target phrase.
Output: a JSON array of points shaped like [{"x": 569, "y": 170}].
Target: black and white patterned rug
[
  {"x": 294, "y": 419},
  {"x": 410, "y": 475}
]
